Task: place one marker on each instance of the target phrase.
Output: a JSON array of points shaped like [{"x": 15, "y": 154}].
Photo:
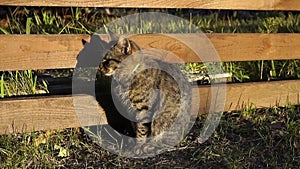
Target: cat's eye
[{"x": 106, "y": 63}]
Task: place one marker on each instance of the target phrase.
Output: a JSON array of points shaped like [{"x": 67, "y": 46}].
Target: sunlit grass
[
  {"x": 88, "y": 20},
  {"x": 36, "y": 149},
  {"x": 21, "y": 83}
]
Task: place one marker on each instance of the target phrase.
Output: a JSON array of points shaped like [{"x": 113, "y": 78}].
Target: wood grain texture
[
  {"x": 257, "y": 94},
  {"x": 47, "y": 112},
  {"x": 20, "y": 52},
  {"x": 203, "y": 4},
  {"x": 56, "y": 112}
]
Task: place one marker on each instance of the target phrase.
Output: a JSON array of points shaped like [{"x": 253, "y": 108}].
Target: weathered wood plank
[
  {"x": 230, "y": 47},
  {"x": 20, "y": 52},
  {"x": 46, "y": 112},
  {"x": 203, "y": 4},
  {"x": 257, "y": 94},
  {"x": 42, "y": 113}
]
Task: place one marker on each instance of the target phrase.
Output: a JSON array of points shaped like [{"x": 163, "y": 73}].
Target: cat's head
[{"x": 121, "y": 48}]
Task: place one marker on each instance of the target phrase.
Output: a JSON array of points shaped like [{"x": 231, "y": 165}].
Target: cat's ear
[{"x": 125, "y": 45}]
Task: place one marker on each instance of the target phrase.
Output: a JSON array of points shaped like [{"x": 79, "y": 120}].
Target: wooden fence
[{"x": 21, "y": 52}]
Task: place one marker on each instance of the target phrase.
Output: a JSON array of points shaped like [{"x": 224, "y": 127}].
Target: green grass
[
  {"x": 263, "y": 70},
  {"x": 21, "y": 83},
  {"x": 250, "y": 138},
  {"x": 47, "y": 20}
]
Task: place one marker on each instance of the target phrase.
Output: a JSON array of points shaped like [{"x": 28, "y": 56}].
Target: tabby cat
[{"x": 154, "y": 95}]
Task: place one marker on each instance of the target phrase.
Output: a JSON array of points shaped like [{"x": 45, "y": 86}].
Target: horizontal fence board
[
  {"x": 201, "y": 4},
  {"x": 21, "y": 52},
  {"x": 55, "y": 112},
  {"x": 44, "y": 113},
  {"x": 262, "y": 94}
]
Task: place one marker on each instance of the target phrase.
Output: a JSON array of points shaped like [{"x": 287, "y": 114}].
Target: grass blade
[
  {"x": 2, "y": 86},
  {"x": 273, "y": 71},
  {"x": 4, "y": 31},
  {"x": 28, "y": 25}
]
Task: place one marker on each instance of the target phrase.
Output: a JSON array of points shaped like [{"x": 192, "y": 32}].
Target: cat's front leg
[
  {"x": 144, "y": 148},
  {"x": 143, "y": 130}
]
